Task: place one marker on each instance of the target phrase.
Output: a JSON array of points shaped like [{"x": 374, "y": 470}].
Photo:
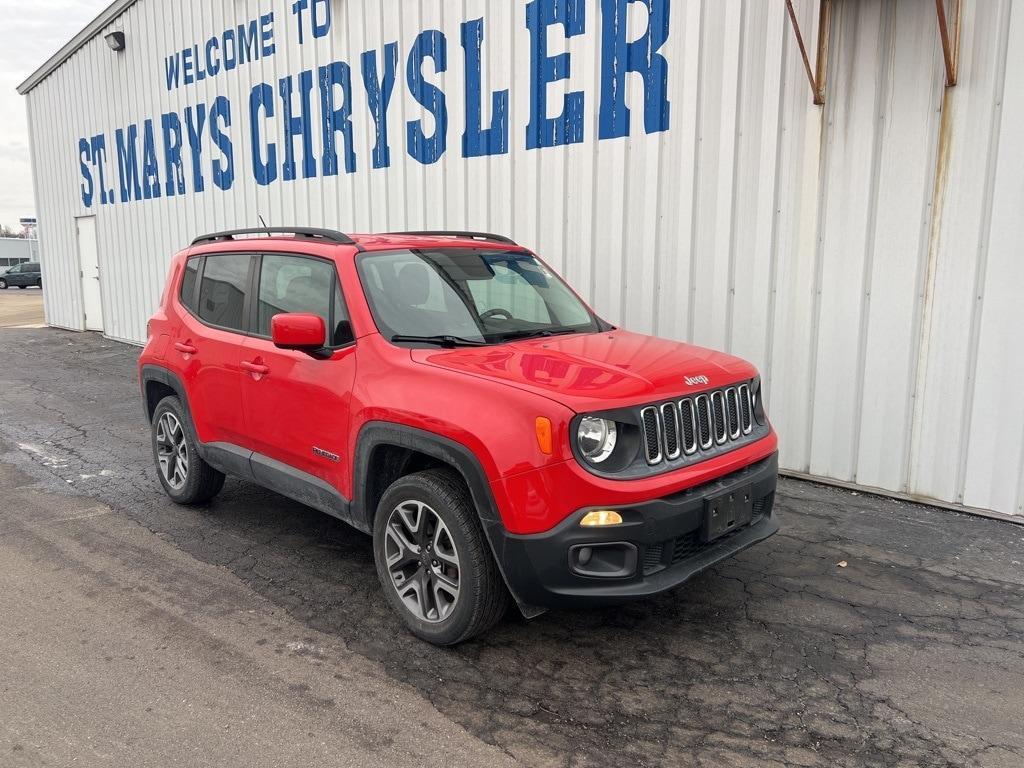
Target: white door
[{"x": 89, "y": 260}]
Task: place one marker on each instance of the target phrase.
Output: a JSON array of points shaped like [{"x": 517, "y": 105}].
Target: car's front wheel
[
  {"x": 432, "y": 559},
  {"x": 3, "y": 285},
  {"x": 186, "y": 478}
]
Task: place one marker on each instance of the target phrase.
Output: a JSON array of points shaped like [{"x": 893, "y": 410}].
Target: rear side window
[
  {"x": 297, "y": 284},
  {"x": 188, "y": 285},
  {"x": 222, "y": 291}
]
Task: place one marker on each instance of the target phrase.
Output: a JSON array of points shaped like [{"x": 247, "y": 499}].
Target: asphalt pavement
[
  {"x": 869, "y": 632},
  {"x": 21, "y": 308}
]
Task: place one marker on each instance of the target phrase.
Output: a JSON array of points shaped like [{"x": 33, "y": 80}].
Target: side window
[
  {"x": 222, "y": 290},
  {"x": 188, "y": 284},
  {"x": 297, "y": 284}
]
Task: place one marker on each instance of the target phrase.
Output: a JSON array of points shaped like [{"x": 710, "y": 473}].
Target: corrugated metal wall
[{"x": 866, "y": 254}]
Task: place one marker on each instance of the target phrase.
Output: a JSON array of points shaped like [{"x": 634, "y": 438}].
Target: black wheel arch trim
[
  {"x": 375, "y": 434},
  {"x": 160, "y": 375}
]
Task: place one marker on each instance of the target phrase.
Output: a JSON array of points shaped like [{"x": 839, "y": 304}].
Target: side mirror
[{"x": 306, "y": 333}]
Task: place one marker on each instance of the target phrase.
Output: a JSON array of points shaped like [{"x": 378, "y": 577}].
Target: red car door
[
  {"x": 207, "y": 348},
  {"x": 297, "y": 406}
]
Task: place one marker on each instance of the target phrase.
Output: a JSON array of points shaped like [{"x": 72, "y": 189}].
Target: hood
[{"x": 592, "y": 372}]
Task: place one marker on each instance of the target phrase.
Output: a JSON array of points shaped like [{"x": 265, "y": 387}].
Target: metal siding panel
[
  {"x": 757, "y": 182},
  {"x": 910, "y": 125},
  {"x": 945, "y": 367},
  {"x": 851, "y": 174},
  {"x": 678, "y": 181},
  {"x": 717, "y": 137},
  {"x": 788, "y": 375},
  {"x": 995, "y": 455}
]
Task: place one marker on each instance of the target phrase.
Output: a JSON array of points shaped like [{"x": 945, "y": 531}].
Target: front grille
[
  {"x": 762, "y": 505},
  {"x": 652, "y": 435},
  {"x": 702, "y": 423},
  {"x": 689, "y": 544},
  {"x": 670, "y": 425},
  {"x": 652, "y": 557}
]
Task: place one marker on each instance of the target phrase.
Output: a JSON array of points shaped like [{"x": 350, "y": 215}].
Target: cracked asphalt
[{"x": 910, "y": 655}]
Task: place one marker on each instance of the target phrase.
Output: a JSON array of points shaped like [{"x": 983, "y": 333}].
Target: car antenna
[{"x": 264, "y": 223}]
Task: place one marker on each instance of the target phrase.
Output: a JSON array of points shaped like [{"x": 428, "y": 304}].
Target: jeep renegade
[{"x": 448, "y": 394}]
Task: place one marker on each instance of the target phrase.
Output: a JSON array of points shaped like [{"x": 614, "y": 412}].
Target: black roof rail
[
  {"x": 317, "y": 234},
  {"x": 470, "y": 235}
]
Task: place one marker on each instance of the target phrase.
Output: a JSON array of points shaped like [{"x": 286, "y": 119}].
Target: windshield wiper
[
  {"x": 535, "y": 334},
  {"x": 441, "y": 340}
]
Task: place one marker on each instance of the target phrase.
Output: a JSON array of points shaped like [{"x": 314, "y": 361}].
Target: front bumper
[{"x": 664, "y": 536}]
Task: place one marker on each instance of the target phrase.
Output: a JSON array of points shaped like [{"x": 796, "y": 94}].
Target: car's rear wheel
[
  {"x": 39, "y": 283},
  {"x": 22, "y": 287},
  {"x": 186, "y": 478},
  {"x": 432, "y": 559}
]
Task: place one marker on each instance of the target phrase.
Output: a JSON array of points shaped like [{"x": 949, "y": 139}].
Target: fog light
[{"x": 601, "y": 518}]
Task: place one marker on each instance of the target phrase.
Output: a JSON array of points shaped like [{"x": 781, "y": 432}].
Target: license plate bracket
[{"x": 726, "y": 512}]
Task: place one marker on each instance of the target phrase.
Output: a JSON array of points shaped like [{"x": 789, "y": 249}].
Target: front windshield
[{"x": 470, "y": 295}]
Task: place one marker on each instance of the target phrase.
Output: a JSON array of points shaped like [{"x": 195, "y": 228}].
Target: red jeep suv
[{"x": 448, "y": 394}]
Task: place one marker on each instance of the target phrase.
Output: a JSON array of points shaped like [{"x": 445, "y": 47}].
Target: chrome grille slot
[
  {"x": 670, "y": 430},
  {"x": 718, "y": 409},
  {"x": 688, "y": 426},
  {"x": 746, "y": 410},
  {"x": 732, "y": 407},
  {"x": 652, "y": 435},
  {"x": 704, "y": 422}
]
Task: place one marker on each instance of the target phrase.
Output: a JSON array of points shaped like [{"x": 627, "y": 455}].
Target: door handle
[
  {"x": 255, "y": 368},
  {"x": 185, "y": 349}
]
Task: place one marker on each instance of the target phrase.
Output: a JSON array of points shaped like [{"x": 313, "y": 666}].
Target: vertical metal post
[
  {"x": 818, "y": 77},
  {"x": 950, "y": 46},
  {"x": 821, "y": 68}
]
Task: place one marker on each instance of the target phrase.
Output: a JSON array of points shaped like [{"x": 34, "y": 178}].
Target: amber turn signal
[
  {"x": 601, "y": 518},
  {"x": 544, "y": 438}
]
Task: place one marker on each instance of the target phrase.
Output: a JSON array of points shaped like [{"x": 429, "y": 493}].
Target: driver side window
[
  {"x": 307, "y": 285},
  {"x": 509, "y": 291}
]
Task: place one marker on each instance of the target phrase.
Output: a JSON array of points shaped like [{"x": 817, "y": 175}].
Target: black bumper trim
[{"x": 537, "y": 566}]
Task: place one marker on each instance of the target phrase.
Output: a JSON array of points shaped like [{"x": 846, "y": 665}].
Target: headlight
[{"x": 596, "y": 438}]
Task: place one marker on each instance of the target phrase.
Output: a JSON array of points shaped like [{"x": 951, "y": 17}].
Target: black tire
[
  {"x": 22, "y": 287},
  {"x": 3, "y": 285},
  {"x": 201, "y": 482},
  {"x": 482, "y": 596},
  {"x": 39, "y": 283}
]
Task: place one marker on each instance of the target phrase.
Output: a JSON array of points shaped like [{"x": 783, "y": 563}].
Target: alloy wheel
[
  {"x": 422, "y": 561},
  {"x": 172, "y": 451}
]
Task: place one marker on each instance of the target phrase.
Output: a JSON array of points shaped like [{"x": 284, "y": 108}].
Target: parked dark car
[{"x": 22, "y": 276}]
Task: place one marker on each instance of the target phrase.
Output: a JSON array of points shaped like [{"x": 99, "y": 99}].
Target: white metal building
[
  {"x": 15, "y": 250},
  {"x": 665, "y": 155}
]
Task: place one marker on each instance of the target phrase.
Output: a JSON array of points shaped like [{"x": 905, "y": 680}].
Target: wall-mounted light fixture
[{"x": 115, "y": 40}]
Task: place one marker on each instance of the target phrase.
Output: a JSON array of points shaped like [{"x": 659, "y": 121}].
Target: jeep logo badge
[{"x": 692, "y": 381}]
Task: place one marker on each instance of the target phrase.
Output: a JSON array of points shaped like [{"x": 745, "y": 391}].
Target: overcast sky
[{"x": 32, "y": 32}]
